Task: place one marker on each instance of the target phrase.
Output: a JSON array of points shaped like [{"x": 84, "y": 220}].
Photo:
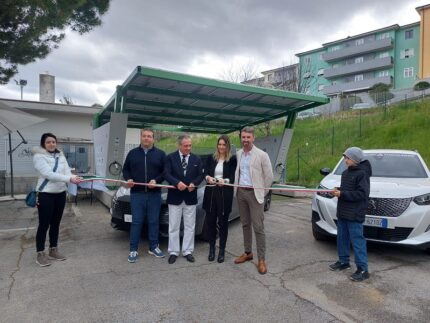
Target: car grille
[
  {"x": 123, "y": 207},
  {"x": 383, "y": 234},
  {"x": 390, "y": 207}
]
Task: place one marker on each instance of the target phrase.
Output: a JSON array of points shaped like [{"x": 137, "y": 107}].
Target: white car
[
  {"x": 362, "y": 105},
  {"x": 399, "y": 205}
]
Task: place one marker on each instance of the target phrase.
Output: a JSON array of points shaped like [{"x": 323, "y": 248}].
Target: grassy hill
[{"x": 320, "y": 142}]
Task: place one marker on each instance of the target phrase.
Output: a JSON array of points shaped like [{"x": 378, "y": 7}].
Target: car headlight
[
  {"x": 324, "y": 194},
  {"x": 422, "y": 199}
]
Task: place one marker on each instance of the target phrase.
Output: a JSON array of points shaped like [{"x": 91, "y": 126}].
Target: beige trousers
[{"x": 252, "y": 214}]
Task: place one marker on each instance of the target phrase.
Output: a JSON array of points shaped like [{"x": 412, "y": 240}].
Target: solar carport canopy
[{"x": 153, "y": 97}]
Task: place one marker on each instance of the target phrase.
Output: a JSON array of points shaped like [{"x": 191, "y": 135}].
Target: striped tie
[{"x": 184, "y": 164}]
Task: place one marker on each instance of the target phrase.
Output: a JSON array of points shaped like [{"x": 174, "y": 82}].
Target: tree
[
  {"x": 30, "y": 29},
  {"x": 380, "y": 93},
  {"x": 66, "y": 99},
  {"x": 240, "y": 73}
]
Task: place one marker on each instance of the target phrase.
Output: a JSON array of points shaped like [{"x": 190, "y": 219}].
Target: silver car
[{"x": 399, "y": 205}]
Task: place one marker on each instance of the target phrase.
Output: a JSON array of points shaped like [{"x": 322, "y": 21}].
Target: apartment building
[
  {"x": 285, "y": 78},
  {"x": 396, "y": 55},
  {"x": 388, "y": 55}
]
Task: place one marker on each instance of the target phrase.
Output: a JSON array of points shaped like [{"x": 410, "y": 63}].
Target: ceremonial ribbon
[{"x": 278, "y": 187}]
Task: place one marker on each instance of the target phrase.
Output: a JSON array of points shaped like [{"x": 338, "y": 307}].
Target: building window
[
  {"x": 358, "y": 78},
  {"x": 407, "y": 53},
  {"x": 321, "y": 71},
  {"x": 269, "y": 77},
  {"x": 359, "y": 60},
  {"x": 383, "y": 73},
  {"x": 408, "y": 72},
  {"x": 409, "y": 34},
  {"x": 320, "y": 56},
  {"x": 335, "y": 48},
  {"x": 307, "y": 60},
  {"x": 384, "y": 35},
  {"x": 383, "y": 55},
  {"x": 359, "y": 42},
  {"x": 320, "y": 87}
]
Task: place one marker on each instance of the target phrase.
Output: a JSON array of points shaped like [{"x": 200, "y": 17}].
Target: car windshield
[{"x": 392, "y": 165}]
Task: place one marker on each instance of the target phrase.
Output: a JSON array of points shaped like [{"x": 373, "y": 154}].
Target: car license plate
[
  {"x": 127, "y": 218},
  {"x": 376, "y": 222}
]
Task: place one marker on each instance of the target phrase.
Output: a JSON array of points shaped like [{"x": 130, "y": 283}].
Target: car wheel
[
  {"x": 318, "y": 235},
  {"x": 267, "y": 201}
]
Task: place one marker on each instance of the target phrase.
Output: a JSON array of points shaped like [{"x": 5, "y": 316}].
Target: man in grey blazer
[{"x": 253, "y": 171}]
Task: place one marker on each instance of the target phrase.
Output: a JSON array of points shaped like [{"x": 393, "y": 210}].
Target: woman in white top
[
  {"x": 51, "y": 197},
  {"x": 217, "y": 201}
]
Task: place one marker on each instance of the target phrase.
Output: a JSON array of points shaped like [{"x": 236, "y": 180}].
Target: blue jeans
[
  {"x": 144, "y": 205},
  {"x": 351, "y": 232}
]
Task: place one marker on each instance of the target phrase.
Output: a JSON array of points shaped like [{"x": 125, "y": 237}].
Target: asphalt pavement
[{"x": 97, "y": 284}]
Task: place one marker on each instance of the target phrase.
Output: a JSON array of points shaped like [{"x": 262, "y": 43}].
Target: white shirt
[
  {"x": 245, "y": 171},
  {"x": 219, "y": 169}
]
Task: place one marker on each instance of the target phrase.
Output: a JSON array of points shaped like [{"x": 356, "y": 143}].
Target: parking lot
[{"x": 97, "y": 284}]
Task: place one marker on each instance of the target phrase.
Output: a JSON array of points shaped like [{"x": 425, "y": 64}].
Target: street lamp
[{"x": 21, "y": 83}]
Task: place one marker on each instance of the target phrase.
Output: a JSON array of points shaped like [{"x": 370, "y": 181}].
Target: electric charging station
[{"x": 151, "y": 97}]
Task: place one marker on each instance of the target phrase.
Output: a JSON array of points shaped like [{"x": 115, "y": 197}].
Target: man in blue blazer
[{"x": 183, "y": 170}]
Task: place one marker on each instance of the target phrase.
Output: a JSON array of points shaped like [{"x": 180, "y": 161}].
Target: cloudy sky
[{"x": 200, "y": 37}]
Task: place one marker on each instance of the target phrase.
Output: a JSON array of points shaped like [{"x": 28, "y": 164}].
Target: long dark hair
[
  {"x": 228, "y": 148},
  {"x": 43, "y": 139}
]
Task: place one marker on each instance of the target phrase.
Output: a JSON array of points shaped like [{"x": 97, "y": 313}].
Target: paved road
[{"x": 96, "y": 284}]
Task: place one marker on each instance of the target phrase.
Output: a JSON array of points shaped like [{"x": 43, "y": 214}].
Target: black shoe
[
  {"x": 221, "y": 256},
  {"x": 211, "y": 256},
  {"x": 339, "y": 266},
  {"x": 172, "y": 259},
  {"x": 190, "y": 258},
  {"x": 360, "y": 275}
]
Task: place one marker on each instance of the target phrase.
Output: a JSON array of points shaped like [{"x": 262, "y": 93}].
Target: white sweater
[{"x": 44, "y": 163}]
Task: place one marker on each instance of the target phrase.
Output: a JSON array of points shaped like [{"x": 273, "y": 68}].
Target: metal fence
[{"x": 80, "y": 156}]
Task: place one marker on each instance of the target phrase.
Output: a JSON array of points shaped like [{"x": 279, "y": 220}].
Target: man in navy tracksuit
[
  {"x": 353, "y": 200},
  {"x": 144, "y": 164}
]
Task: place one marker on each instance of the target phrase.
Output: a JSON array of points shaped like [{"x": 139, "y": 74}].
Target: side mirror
[{"x": 325, "y": 171}]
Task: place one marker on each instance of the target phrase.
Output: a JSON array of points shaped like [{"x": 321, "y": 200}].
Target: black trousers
[
  {"x": 50, "y": 207},
  {"x": 217, "y": 218}
]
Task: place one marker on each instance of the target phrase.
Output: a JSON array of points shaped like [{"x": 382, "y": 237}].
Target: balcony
[
  {"x": 369, "y": 47},
  {"x": 356, "y": 86},
  {"x": 359, "y": 68}
]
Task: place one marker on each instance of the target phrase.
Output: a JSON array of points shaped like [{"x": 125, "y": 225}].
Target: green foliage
[
  {"x": 320, "y": 142},
  {"x": 380, "y": 93},
  {"x": 380, "y": 87},
  {"x": 422, "y": 86},
  {"x": 31, "y": 29}
]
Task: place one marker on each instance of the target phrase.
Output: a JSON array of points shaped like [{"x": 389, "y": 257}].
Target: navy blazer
[{"x": 174, "y": 173}]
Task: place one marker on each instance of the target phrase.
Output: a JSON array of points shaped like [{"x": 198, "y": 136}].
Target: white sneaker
[{"x": 132, "y": 256}]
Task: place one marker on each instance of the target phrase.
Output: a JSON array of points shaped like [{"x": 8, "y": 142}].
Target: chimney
[{"x": 46, "y": 88}]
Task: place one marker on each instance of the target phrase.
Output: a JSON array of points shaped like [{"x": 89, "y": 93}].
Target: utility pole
[{"x": 21, "y": 83}]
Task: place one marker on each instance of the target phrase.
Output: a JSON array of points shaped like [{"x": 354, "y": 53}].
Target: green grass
[{"x": 320, "y": 142}]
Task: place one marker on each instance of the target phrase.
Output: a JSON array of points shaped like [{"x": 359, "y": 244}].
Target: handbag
[{"x": 31, "y": 198}]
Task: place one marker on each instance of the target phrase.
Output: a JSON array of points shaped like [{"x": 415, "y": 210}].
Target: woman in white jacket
[{"x": 52, "y": 197}]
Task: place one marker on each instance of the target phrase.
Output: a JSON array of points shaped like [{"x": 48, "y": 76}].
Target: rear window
[{"x": 392, "y": 165}]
